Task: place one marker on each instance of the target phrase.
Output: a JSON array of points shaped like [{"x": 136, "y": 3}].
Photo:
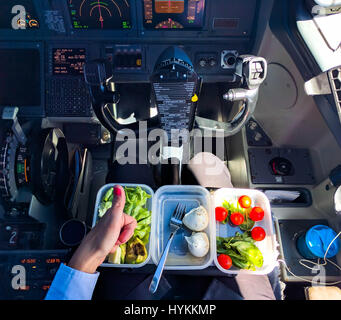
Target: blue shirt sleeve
[{"x": 71, "y": 284}]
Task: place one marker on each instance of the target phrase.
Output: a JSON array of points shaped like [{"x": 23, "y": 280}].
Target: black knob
[
  {"x": 212, "y": 62},
  {"x": 281, "y": 166},
  {"x": 229, "y": 59},
  {"x": 202, "y": 62}
]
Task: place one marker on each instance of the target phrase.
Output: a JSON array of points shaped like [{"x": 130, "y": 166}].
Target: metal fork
[{"x": 175, "y": 225}]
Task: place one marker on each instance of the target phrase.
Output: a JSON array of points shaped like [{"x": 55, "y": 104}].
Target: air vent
[{"x": 335, "y": 81}]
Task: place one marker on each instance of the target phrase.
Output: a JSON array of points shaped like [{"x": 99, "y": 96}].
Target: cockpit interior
[{"x": 88, "y": 88}]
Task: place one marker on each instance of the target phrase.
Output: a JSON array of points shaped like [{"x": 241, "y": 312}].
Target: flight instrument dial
[{"x": 100, "y": 14}]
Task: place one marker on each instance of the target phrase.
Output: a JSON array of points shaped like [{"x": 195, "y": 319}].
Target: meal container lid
[{"x": 318, "y": 238}]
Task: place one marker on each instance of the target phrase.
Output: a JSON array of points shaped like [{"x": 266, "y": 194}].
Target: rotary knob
[
  {"x": 212, "y": 62},
  {"x": 203, "y": 63},
  {"x": 281, "y": 166}
]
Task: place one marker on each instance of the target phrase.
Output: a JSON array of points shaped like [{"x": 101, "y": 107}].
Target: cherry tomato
[
  {"x": 225, "y": 261},
  {"x": 244, "y": 202},
  {"x": 237, "y": 218},
  {"x": 256, "y": 214},
  {"x": 220, "y": 213},
  {"x": 258, "y": 233}
]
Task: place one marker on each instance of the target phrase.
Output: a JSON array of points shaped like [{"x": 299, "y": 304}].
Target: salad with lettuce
[
  {"x": 242, "y": 251},
  {"x": 134, "y": 251}
]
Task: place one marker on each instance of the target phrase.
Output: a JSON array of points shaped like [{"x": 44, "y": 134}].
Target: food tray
[
  {"x": 266, "y": 246},
  {"x": 100, "y": 195},
  {"x": 165, "y": 200}
]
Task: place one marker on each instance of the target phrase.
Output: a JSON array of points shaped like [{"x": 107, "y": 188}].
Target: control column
[{"x": 175, "y": 90}]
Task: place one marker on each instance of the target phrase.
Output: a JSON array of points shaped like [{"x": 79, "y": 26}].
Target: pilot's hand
[{"x": 113, "y": 229}]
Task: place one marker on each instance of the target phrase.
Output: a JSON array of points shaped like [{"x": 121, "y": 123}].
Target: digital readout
[{"x": 68, "y": 61}]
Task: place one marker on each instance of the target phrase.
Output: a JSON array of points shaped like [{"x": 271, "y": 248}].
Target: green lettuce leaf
[
  {"x": 242, "y": 250},
  {"x": 249, "y": 252}
]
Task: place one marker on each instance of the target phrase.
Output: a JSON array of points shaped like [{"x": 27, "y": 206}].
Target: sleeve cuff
[{"x": 71, "y": 284}]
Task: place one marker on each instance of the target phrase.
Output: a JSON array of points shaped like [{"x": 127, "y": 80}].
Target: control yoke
[
  {"x": 97, "y": 74},
  {"x": 252, "y": 71},
  {"x": 175, "y": 92}
]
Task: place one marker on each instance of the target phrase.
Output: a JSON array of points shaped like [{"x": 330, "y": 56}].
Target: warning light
[{"x": 195, "y": 98}]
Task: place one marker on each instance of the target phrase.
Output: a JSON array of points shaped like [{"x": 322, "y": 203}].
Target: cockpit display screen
[
  {"x": 20, "y": 77},
  {"x": 68, "y": 61},
  {"x": 100, "y": 14},
  {"x": 174, "y": 14}
]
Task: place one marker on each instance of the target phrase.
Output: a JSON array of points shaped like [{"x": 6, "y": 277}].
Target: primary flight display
[{"x": 100, "y": 14}]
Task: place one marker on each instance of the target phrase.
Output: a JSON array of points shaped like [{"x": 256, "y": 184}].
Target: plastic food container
[
  {"x": 100, "y": 195},
  {"x": 266, "y": 246},
  {"x": 165, "y": 201}
]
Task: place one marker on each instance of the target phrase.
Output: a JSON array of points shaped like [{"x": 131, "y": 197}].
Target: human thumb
[{"x": 118, "y": 199}]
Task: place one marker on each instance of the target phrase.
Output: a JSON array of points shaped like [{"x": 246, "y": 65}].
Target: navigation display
[
  {"x": 174, "y": 14},
  {"x": 68, "y": 61},
  {"x": 19, "y": 77},
  {"x": 18, "y": 15},
  {"x": 100, "y": 14}
]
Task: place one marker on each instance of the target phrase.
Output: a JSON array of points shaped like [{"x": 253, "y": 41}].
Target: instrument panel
[
  {"x": 136, "y": 18},
  {"x": 43, "y": 71}
]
